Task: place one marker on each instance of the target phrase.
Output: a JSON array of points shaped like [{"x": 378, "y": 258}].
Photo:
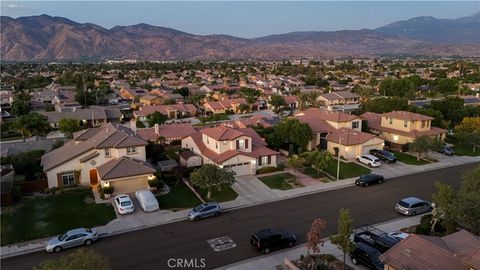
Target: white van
[{"x": 147, "y": 200}]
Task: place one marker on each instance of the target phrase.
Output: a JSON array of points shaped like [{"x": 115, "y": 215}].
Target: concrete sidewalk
[
  {"x": 251, "y": 192},
  {"x": 273, "y": 261}
]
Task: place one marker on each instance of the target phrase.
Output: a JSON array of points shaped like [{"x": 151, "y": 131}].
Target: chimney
[{"x": 157, "y": 129}]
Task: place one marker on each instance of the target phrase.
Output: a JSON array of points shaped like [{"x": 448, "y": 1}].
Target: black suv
[
  {"x": 367, "y": 256},
  {"x": 369, "y": 179},
  {"x": 375, "y": 238},
  {"x": 384, "y": 155},
  {"x": 266, "y": 240}
]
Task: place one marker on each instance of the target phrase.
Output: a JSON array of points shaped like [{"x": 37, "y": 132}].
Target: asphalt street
[{"x": 159, "y": 247}]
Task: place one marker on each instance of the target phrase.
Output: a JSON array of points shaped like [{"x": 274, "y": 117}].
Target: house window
[
  {"x": 68, "y": 178},
  {"x": 241, "y": 144},
  {"x": 390, "y": 120},
  {"x": 225, "y": 142},
  {"x": 265, "y": 160},
  {"x": 355, "y": 124},
  {"x": 405, "y": 123},
  {"x": 131, "y": 150},
  {"x": 108, "y": 152},
  {"x": 423, "y": 124},
  {"x": 216, "y": 145}
]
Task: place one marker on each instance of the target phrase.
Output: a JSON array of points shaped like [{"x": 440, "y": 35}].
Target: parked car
[
  {"x": 384, "y": 155},
  {"x": 147, "y": 200},
  {"x": 398, "y": 235},
  {"x": 447, "y": 151},
  {"x": 204, "y": 210},
  {"x": 124, "y": 204},
  {"x": 369, "y": 160},
  {"x": 412, "y": 206},
  {"x": 269, "y": 239},
  {"x": 375, "y": 238},
  {"x": 369, "y": 179},
  {"x": 72, "y": 238},
  {"x": 366, "y": 255}
]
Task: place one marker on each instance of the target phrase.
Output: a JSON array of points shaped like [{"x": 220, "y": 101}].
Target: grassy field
[
  {"x": 347, "y": 169},
  {"x": 278, "y": 181},
  {"x": 52, "y": 215},
  {"x": 179, "y": 197},
  {"x": 409, "y": 159},
  {"x": 223, "y": 195},
  {"x": 466, "y": 150}
]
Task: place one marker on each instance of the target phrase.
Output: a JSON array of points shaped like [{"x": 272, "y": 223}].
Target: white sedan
[
  {"x": 124, "y": 204},
  {"x": 371, "y": 161}
]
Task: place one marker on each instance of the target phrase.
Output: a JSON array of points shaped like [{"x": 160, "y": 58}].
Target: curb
[{"x": 349, "y": 184}]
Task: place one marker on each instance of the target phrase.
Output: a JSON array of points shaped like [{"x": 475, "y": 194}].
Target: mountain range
[{"x": 55, "y": 38}]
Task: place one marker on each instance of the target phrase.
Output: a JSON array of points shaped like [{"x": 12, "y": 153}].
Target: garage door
[
  {"x": 367, "y": 148},
  {"x": 240, "y": 168},
  {"x": 129, "y": 186}
]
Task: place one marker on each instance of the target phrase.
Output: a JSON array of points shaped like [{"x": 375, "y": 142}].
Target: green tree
[
  {"x": 424, "y": 144},
  {"x": 384, "y": 104},
  {"x": 292, "y": 131},
  {"x": 210, "y": 177},
  {"x": 170, "y": 101},
  {"x": 468, "y": 201},
  {"x": 244, "y": 108},
  {"x": 81, "y": 259},
  {"x": 278, "y": 103},
  {"x": 295, "y": 162},
  {"x": 342, "y": 238},
  {"x": 139, "y": 124},
  {"x": 444, "y": 199},
  {"x": 31, "y": 124},
  {"x": 156, "y": 118},
  {"x": 69, "y": 126},
  {"x": 319, "y": 160},
  {"x": 452, "y": 109},
  {"x": 21, "y": 104},
  {"x": 447, "y": 86}
]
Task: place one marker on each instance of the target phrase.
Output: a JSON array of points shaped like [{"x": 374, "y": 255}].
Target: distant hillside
[
  {"x": 457, "y": 31},
  {"x": 55, "y": 38}
]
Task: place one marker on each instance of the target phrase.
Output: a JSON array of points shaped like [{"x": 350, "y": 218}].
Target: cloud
[{"x": 11, "y": 9}]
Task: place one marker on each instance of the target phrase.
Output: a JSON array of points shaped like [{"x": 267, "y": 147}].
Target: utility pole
[{"x": 338, "y": 159}]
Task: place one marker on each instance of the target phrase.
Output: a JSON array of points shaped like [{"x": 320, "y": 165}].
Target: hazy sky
[{"x": 242, "y": 19}]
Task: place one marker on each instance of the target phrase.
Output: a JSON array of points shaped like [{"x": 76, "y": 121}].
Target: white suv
[
  {"x": 369, "y": 160},
  {"x": 124, "y": 204}
]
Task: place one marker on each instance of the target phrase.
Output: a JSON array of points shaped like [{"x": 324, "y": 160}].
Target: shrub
[
  {"x": 425, "y": 226},
  {"x": 281, "y": 166},
  {"x": 176, "y": 142},
  {"x": 27, "y": 163},
  {"x": 268, "y": 169},
  {"x": 108, "y": 190},
  {"x": 154, "y": 183}
]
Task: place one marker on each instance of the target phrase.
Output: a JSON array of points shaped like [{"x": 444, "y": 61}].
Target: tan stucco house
[
  {"x": 333, "y": 129},
  {"x": 224, "y": 105},
  {"x": 344, "y": 101},
  {"x": 106, "y": 155},
  {"x": 398, "y": 128},
  {"x": 242, "y": 150}
]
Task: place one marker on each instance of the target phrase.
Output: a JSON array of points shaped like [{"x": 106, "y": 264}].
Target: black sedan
[
  {"x": 369, "y": 179},
  {"x": 447, "y": 151},
  {"x": 384, "y": 155}
]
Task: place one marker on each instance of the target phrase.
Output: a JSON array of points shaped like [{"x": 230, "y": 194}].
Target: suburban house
[
  {"x": 241, "y": 150},
  {"x": 109, "y": 155},
  {"x": 344, "y": 101},
  {"x": 456, "y": 251},
  {"x": 151, "y": 100},
  {"x": 256, "y": 120},
  {"x": 171, "y": 111},
  {"x": 338, "y": 130},
  {"x": 398, "y": 128},
  {"x": 131, "y": 93},
  {"x": 224, "y": 105},
  {"x": 168, "y": 133},
  {"x": 291, "y": 102},
  {"x": 88, "y": 117}
]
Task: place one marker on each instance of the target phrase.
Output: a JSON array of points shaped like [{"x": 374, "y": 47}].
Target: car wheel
[
  {"x": 217, "y": 214},
  {"x": 266, "y": 250},
  {"x": 357, "y": 159},
  {"x": 380, "y": 181},
  {"x": 354, "y": 261},
  {"x": 57, "y": 249},
  {"x": 366, "y": 185},
  {"x": 370, "y": 165},
  {"x": 88, "y": 242},
  {"x": 197, "y": 218},
  {"x": 414, "y": 213},
  {"x": 290, "y": 244}
]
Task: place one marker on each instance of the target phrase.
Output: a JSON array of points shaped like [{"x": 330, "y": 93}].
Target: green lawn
[
  {"x": 466, "y": 150},
  {"x": 311, "y": 172},
  {"x": 347, "y": 169},
  {"x": 179, "y": 197},
  {"x": 408, "y": 159},
  {"x": 278, "y": 181},
  {"x": 52, "y": 215},
  {"x": 223, "y": 195}
]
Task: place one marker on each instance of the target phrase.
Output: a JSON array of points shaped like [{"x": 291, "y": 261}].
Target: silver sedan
[{"x": 72, "y": 238}]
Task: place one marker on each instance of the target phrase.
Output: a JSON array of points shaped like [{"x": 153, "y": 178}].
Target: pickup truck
[{"x": 375, "y": 238}]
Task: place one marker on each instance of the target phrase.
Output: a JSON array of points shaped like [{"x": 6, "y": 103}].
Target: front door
[{"x": 93, "y": 177}]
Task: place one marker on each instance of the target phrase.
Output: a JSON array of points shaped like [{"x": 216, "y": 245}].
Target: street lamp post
[{"x": 338, "y": 159}]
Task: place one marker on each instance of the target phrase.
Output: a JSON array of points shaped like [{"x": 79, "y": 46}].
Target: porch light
[
  {"x": 254, "y": 162},
  {"x": 151, "y": 177},
  {"x": 347, "y": 148},
  {"x": 106, "y": 184},
  {"x": 395, "y": 137}
]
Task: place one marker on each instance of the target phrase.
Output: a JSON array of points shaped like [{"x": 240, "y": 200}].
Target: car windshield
[
  {"x": 62, "y": 237},
  {"x": 387, "y": 154},
  {"x": 198, "y": 208},
  {"x": 403, "y": 204},
  {"x": 125, "y": 203},
  {"x": 377, "y": 262}
]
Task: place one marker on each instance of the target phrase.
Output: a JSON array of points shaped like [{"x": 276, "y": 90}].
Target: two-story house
[
  {"x": 107, "y": 155},
  {"x": 399, "y": 128},
  {"x": 242, "y": 150},
  {"x": 171, "y": 111},
  {"x": 344, "y": 101},
  {"x": 224, "y": 105},
  {"x": 333, "y": 130}
]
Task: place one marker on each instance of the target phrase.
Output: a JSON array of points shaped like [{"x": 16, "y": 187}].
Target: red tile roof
[
  {"x": 322, "y": 114},
  {"x": 222, "y": 133},
  {"x": 170, "y": 131},
  {"x": 146, "y": 110},
  {"x": 349, "y": 136},
  {"x": 409, "y": 116}
]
